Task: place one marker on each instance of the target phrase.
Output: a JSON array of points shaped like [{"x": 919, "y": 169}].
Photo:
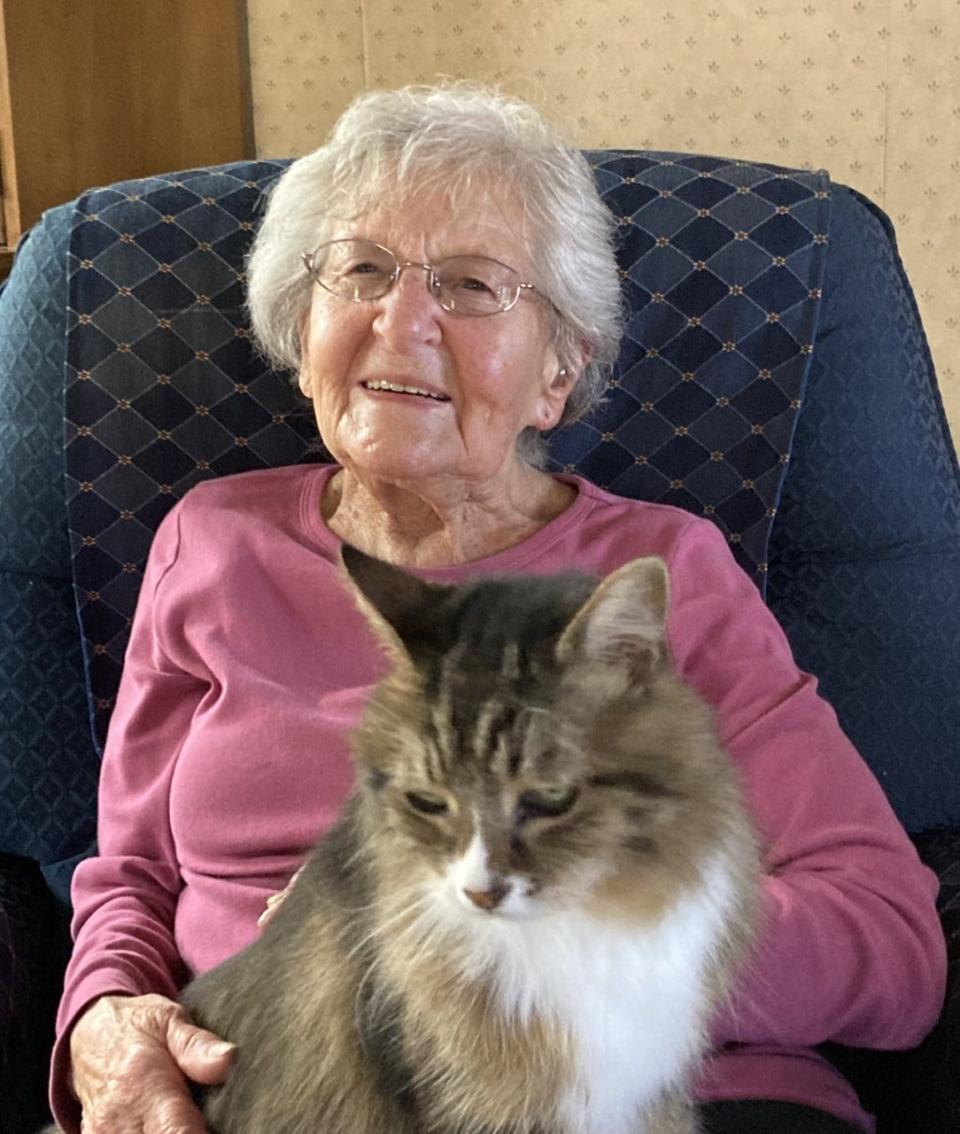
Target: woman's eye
[
  {"x": 427, "y": 802},
  {"x": 469, "y": 283},
  {"x": 365, "y": 268},
  {"x": 547, "y": 801}
]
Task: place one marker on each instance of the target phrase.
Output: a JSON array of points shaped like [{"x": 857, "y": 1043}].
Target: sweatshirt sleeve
[
  {"x": 850, "y": 947},
  {"x": 124, "y": 898}
]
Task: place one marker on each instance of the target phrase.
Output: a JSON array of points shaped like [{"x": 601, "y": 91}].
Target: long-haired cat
[{"x": 534, "y": 898}]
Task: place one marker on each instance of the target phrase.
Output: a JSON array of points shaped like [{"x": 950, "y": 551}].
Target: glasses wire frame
[{"x": 473, "y": 303}]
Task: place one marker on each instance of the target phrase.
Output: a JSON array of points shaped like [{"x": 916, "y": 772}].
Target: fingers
[
  {"x": 200, "y": 1055},
  {"x": 273, "y": 904},
  {"x": 276, "y": 900}
]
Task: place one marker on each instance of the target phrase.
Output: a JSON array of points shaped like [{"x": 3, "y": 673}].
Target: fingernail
[{"x": 224, "y": 1047}]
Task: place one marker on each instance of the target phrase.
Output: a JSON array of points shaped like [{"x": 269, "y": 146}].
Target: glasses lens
[
  {"x": 354, "y": 269},
  {"x": 475, "y": 285}
]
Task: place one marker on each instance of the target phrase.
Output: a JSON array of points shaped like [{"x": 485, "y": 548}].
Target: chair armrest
[
  {"x": 49, "y": 768},
  {"x": 920, "y": 1089},
  {"x": 34, "y": 942},
  {"x": 940, "y": 850}
]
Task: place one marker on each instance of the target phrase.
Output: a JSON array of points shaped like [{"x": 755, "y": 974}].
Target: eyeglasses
[{"x": 361, "y": 270}]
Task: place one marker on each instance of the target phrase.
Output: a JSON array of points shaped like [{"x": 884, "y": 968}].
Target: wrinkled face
[{"x": 481, "y": 381}]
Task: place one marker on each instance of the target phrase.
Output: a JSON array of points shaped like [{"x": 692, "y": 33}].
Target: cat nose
[{"x": 490, "y": 898}]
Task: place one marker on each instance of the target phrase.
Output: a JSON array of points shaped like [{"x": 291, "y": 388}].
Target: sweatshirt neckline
[{"x": 510, "y": 559}]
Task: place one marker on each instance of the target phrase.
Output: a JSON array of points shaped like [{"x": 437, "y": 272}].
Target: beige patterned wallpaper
[{"x": 868, "y": 89}]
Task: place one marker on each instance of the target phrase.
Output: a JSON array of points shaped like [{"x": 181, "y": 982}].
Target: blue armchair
[{"x": 774, "y": 376}]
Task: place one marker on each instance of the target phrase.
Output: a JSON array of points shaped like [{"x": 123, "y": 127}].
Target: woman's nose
[{"x": 409, "y": 312}]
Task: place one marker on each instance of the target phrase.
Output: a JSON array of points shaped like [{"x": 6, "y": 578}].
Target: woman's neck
[{"x": 440, "y": 524}]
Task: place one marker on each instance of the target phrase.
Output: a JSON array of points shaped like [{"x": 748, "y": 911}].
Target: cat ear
[
  {"x": 397, "y": 605},
  {"x": 623, "y": 623}
]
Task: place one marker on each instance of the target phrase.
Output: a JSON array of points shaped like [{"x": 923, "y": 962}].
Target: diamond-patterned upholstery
[
  {"x": 721, "y": 263},
  {"x": 48, "y": 769},
  {"x": 866, "y": 547},
  {"x": 773, "y": 376},
  {"x": 163, "y": 385}
]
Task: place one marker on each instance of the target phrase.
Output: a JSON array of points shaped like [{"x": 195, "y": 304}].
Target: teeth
[{"x": 395, "y": 388}]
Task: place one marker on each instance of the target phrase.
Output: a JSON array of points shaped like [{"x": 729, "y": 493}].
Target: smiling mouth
[{"x": 396, "y": 388}]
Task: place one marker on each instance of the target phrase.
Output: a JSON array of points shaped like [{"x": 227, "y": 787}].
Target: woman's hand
[
  {"x": 130, "y": 1055},
  {"x": 275, "y": 901}
]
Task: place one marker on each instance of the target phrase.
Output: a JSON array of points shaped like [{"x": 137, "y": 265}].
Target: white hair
[{"x": 417, "y": 139}]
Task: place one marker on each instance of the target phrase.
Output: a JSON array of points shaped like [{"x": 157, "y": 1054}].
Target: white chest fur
[{"x": 632, "y": 999}]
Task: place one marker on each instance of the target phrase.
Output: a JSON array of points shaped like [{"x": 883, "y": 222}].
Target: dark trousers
[{"x": 761, "y": 1116}]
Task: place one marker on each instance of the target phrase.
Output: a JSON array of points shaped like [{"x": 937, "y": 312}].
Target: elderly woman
[{"x": 440, "y": 276}]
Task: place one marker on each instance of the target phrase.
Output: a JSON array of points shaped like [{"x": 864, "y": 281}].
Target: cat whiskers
[
  {"x": 413, "y": 910},
  {"x": 420, "y": 900}
]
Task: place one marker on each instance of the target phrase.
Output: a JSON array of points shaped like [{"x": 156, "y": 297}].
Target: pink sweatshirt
[{"x": 227, "y": 758}]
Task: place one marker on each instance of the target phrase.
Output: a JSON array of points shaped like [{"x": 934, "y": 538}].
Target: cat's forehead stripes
[
  {"x": 515, "y": 750},
  {"x": 434, "y": 746},
  {"x": 510, "y": 666},
  {"x": 484, "y": 688},
  {"x": 441, "y": 726},
  {"x": 493, "y": 736},
  {"x": 483, "y": 735}
]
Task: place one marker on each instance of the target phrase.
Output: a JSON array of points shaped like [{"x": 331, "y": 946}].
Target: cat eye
[
  {"x": 547, "y": 801},
  {"x": 427, "y": 802}
]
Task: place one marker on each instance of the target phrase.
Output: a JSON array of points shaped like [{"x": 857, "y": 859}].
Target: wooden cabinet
[{"x": 93, "y": 91}]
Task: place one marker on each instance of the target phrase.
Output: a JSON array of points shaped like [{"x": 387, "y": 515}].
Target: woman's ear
[
  {"x": 558, "y": 383},
  {"x": 553, "y": 397},
  {"x": 304, "y": 378}
]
